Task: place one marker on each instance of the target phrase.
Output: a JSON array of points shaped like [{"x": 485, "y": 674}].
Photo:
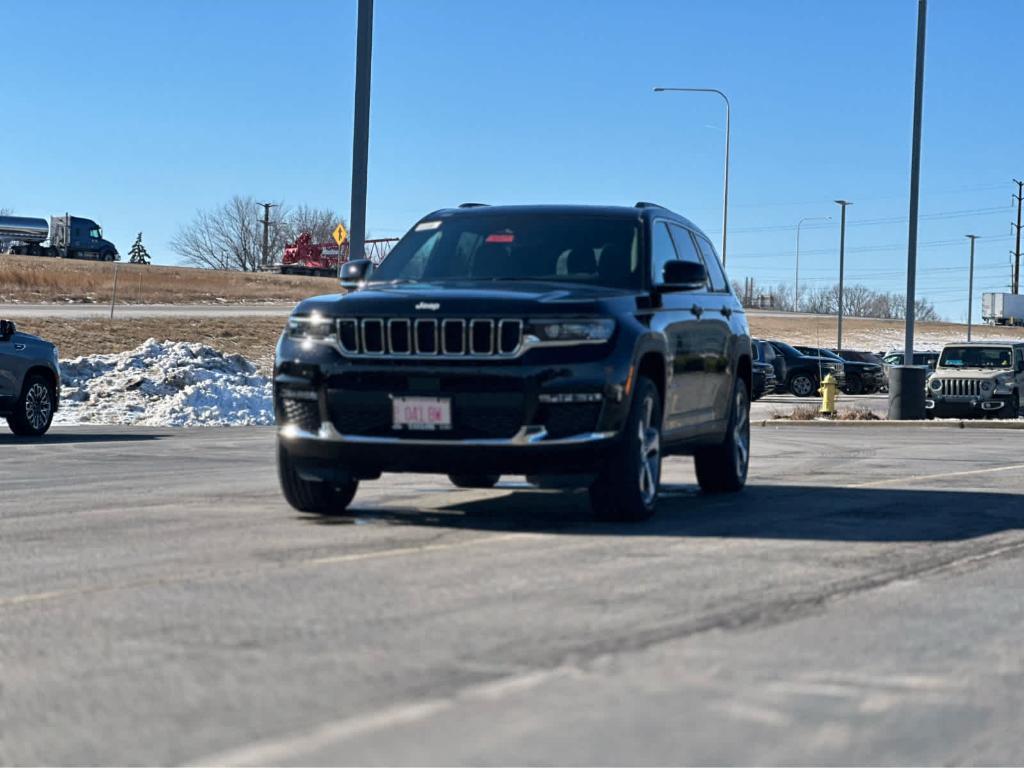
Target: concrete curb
[{"x": 953, "y": 423}]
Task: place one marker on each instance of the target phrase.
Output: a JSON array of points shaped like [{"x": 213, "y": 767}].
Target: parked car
[
  {"x": 764, "y": 381},
  {"x": 862, "y": 378},
  {"x": 928, "y": 359},
  {"x": 977, "y": 379},
  {"x": 29, "y": 381},
  {"x": 568, "y": 340},
  {"x": 801, "y": 374}
]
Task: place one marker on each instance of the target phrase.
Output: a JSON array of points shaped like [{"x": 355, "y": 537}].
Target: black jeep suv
[{"x": 574, "y": 344}]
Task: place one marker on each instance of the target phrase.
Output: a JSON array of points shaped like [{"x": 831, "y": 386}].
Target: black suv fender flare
[{"x": 651, "y": 359}]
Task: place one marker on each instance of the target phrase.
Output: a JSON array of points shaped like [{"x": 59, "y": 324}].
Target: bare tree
[
  {"x": 230, "y": 236},
  {"x": 6, "y": 211},
  {"x": 318, "y": 222}
]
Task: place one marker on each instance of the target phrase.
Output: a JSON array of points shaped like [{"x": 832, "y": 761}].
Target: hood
[
  {"x": 469, "y": 297},
  {"x": 970, "y": 373},
  {"x": 34, "y": 343},
  {"x": 112, "y": 246}
]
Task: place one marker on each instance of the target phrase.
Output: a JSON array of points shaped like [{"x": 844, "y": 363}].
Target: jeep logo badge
[{"x": 433, "y": 306}]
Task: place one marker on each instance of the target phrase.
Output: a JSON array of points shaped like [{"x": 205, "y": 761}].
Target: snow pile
[{"x": 168, "y": 384}]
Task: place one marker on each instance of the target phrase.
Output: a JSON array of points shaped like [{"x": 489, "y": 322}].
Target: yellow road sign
[{"x": 340, "y": 234}]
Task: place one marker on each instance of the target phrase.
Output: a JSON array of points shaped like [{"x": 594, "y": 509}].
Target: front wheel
[
  {"x": 33, "y": 413},
  {"x": 802, "y": 385},
  {"x": 723, "y": 468},
  {"x": 312, "y": 495},
  {"x": 854, "y": 385},
  {"x": 627, "y": 489}
]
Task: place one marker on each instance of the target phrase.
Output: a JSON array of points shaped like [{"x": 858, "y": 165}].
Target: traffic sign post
[{"x": 340, "y": 234}]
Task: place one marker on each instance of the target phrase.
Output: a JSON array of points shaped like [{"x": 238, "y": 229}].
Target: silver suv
[
  {"x": 977, "y": 379},
  {"x": 29, "y": 381}
]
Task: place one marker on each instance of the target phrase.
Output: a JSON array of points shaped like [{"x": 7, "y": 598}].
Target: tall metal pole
[
  {"x": 265, "y": 256},
  {"x": 725, "y": 185},
  {"x": 915, "y": 177},
  {"x": 796, "y": 284},
  {"x": 842, "y": 259},
  {"x": 1016, "y": 251},
  {"x": 970, "y": 288},
  {"x": 361, "y": 130}
]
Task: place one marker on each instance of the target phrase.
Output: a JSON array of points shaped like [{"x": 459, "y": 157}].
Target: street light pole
[
  {"x": 725, "y": 185},
  {"x": 970, "y": 288},
  {"x": 842, "y": 258},
  {"x": 361, "y": 130},
  {"x": 796, "y": 284}
]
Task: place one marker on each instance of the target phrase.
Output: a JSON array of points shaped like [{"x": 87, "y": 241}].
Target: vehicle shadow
[
  {"x": 760, "y": 511},
  {"x": 59, "y": 438}
]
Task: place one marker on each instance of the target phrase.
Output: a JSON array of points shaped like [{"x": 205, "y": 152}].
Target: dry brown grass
[
  {"x": 810, "y": 413},
  {"x": 31, "y": 279},
  {"x": 253, "y": 337}
]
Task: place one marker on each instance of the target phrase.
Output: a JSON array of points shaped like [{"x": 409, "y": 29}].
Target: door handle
[
  {"x": 727, "y": 311},
  {"x": 697, "y": 309}
]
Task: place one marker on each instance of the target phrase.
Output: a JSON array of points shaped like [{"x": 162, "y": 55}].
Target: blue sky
[{"x": 138, "y": 114}]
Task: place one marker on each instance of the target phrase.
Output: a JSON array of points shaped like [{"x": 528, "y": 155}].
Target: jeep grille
[
  {"x": 446, "y": 338},
  {"x": 961, "y": 387}
]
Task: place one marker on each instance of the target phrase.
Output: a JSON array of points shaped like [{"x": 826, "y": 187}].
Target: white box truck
[{"x": 1002, "y": 308}]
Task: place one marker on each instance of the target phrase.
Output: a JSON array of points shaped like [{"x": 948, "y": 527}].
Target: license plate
[{"x": 429, "y": 413}]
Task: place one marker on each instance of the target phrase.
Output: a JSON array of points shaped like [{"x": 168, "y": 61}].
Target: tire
[
  {"x": 802, "y": 384},
  {"x": 854, "y": 385},
  {"x": 723, "y": 468},
  {"x": 627, "y": 489},
  {"x": 312, "y": 495},
  {"x": 474, "y": 481},
  {"x": 33, "y": 413}
]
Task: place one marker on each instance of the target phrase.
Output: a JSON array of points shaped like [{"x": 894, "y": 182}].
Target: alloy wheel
[
  {"x": 650, "y": 453},
  {"x": 38, "y": 406}
]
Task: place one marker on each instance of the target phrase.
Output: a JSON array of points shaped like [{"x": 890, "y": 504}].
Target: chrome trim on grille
[
  {"x": 526, "y": 436},
  {"x": 473, "y": 324},
  {"x": 433, "y": 332},
  {"x": 962, "y": 387},
  {"x": 444, "y": 336}
]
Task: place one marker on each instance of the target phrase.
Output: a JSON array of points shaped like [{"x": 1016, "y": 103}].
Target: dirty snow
[{"x": 166, "y": 384}]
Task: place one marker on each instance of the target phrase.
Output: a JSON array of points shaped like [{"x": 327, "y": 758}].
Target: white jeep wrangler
[{"x": 979, "y": 379}]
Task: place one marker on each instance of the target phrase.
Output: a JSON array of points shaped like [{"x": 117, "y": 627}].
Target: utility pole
[
  {"x": 842, "y": 258},
  {"x": 1016, "y": 251},
  {"x": 265, "y": 256},
  {"x": 907, "y": 382},
  {"x": 970, "y": 288},
  {"x": 361, "y": 131}
]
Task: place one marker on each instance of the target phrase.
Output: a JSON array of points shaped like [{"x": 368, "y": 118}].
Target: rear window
[{"x": 574, "y": 248}]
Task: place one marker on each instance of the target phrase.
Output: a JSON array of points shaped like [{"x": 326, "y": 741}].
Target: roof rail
[
  {"x": 643, "y": 204},
  {"x": 473, "y": 205}
]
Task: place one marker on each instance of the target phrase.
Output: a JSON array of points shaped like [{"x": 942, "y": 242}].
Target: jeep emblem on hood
[{"x": 433, "y": 306}]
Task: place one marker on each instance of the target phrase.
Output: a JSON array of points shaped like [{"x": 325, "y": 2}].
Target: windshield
[
  {"x": 818, "y": 352},
  {"x": 786, "y": 350},
  {"x": 976, "y": 357},
  {"x": 560, "y": 247}
]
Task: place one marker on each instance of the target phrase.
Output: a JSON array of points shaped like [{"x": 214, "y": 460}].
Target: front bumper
[{"x": 969, "y": 407}]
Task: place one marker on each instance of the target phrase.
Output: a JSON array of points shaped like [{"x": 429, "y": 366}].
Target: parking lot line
[{"x": 919, "y": 478}]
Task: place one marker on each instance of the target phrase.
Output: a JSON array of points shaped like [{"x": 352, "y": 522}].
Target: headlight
[
  {"x": 935, "y": 384},
  {"x": 570, "y": 331},
  {"x": 986, "y": 386},
  {"x": 313, "y": 326}
]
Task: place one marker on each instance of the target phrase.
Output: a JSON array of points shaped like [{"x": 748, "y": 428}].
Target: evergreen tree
[{"x": 138, "y": 253}]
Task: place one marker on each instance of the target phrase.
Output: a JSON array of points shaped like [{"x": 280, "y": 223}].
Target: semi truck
[
  {"x": 1002, "y": 308},
  {"x": 68, "y": 237}
]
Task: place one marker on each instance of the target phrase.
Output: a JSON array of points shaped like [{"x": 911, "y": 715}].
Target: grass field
[{"x": 33, "y": 279}]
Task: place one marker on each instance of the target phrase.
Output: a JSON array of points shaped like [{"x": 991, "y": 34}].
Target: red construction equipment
[{"x": 304, "y": 257}]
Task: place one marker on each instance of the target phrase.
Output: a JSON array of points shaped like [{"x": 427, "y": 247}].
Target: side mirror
[
  {"x": 683, "y": 276},
  {"x": 353, "y": 273},
  {"x": 7, "y": 329}
]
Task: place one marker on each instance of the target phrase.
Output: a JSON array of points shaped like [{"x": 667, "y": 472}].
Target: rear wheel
[
  {"x": 474, "y": 481},
  {"x": 802, "y": 384},
  {"x": 33, "y": 413},
  {"x": 312, "y": 495},
  {"x": 723, "y": 468},
  {"x": 627, "y": 489}
]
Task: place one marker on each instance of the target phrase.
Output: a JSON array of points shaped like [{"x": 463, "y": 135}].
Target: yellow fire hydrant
[{"x": 828, "y": 390}]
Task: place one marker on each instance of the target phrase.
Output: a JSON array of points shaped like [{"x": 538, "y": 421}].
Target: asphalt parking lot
[{"x": 859, "y": 603}]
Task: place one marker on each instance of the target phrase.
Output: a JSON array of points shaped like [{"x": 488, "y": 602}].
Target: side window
[
  {"x": 662, "y": 251},
  {"x": 719, "y": 282},
  {"x": 1019, "y": 358},
  {"x": 684, "y": 244}
]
